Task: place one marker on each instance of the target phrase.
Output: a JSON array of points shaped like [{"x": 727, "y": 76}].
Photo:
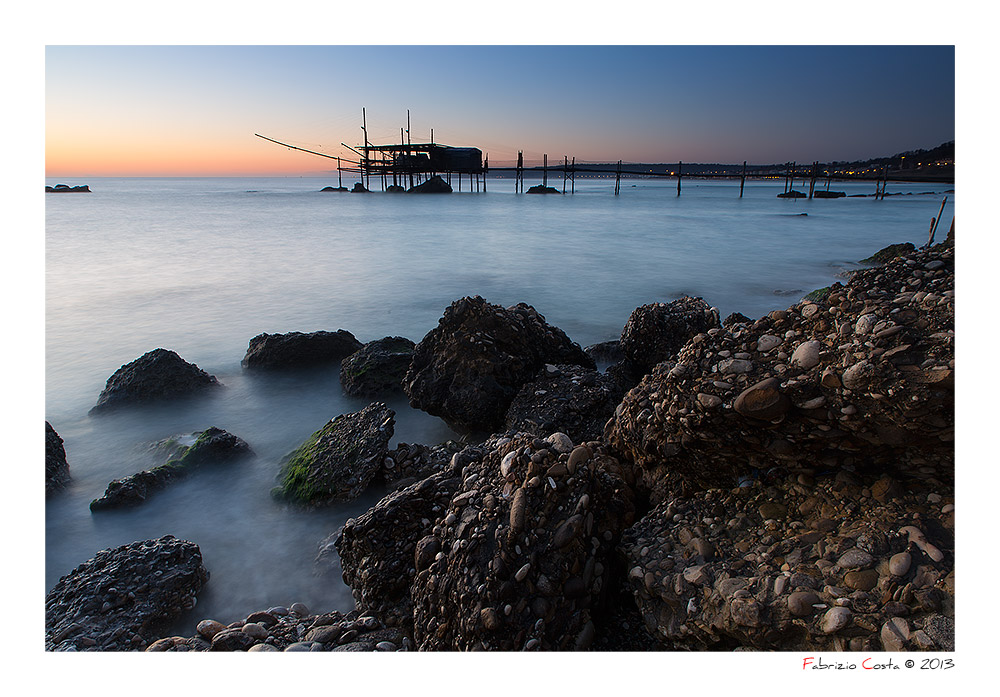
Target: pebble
[
  {"x": 855, "y": 558},
  {"x": 385, "y": 646},
  {"x": 209, "y": 628},
  {"x": 894, "y": 634},
  {"x": 806, "y": 355},
  {"x": 899, "y": 564},
  {"x": 560, "y": 442},
  {"x": 801, "y": 603},
  {"x": 300, "y": 646},
  {"x": 835, "y": 619},
  {"x": 767, "y": 342},
  {"x": 262, "y": 647},
  {"x": 299, "y": 609},
  {"x": 254, "y": 630}
]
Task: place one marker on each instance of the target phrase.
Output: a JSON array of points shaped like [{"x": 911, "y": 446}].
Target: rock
[
  {"x": 895, "y": 633},
  {"x": 772, "y": 585},
  {"x": 654, "y": 333},
  {"x": 377, "y": 368},
  {"x": 835, "y": 619},
  {"x": 56, "y": 467},
  {"x": 65, "y": 188},
  {"x": 434, "y": 185},
  {"x": 899, "y": 564},
  {"x": 605, "y": 352},
  {"x": 338, "y": 461},
  {"x": 801, "y": 603},
  {"x": 762, "y": 401},
  {"x": 806, "y": 355},
  {"x": 883, "y": 400},
  {"x": 470, "y": 367},
  {"x": 381, "y": 550},
  {"x": 211, "y": 446},
  {"x": 232, "y": 640},
  {"x": 209, "y": 628},
  {"x": 121, "y": 598},
  {"x": 294, "y": 350},
  {"x": 410, "y": 462},
  {"x": 889, "y": 253},
  {"x": 510, "y": 580},
  {"x": 572, "y": 399},
  {"x": 153, "y": 377}
]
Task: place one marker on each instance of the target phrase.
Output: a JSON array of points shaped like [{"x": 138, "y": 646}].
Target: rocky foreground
[{"x": 784, "y": 483}]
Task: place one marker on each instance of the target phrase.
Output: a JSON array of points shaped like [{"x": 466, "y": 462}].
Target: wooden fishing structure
[{"x": 406, "y": 165}]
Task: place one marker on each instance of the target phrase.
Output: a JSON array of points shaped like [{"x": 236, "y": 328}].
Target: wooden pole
[
  {"x": 565, "y": 171},
  {"x": 545, "y": 170},
  {"x": 679, "y": 164},
  {"x": 743, "y": 178},
  {"x": 519, "y": 173},
  {"x": 365, "y": 173},
  {"x": 618, "y": 177},
  {"x": 940, "y": 213},
  {"x": 812, "y": 179},
  {"x": 573, "y": 180},
  {"x": 930, "y": 233},
  {"x": 486, "y": 170}
]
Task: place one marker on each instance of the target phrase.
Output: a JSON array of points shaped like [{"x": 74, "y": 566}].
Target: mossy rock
[
  {"x": 818, "y": 295},
  {"x": 339, "y": 461}
]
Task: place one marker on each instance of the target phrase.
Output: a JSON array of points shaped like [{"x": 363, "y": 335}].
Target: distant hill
[{"x": 935, "y": 164}]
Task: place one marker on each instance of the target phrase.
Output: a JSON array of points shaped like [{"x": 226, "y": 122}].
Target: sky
[{"x": 193, "y": 110}]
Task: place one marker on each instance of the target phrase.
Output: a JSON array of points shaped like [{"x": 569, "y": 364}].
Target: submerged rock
[
  {"x": 294, "y": 350},
  {"x": 122, "y": 598},
  {"x": 211, "y": 446},
  {"x": 338, "y": 462},
  {"x": 377, "y": 368},
  {"x": 56, "y": 467},
  {"x": 155, "y": 376},
  {"x": 469, "y": 368}
]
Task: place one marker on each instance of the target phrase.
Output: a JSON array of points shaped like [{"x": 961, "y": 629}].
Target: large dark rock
[
  {"x": 570, "y": 399},
  {"x": 377, "y": 368},
  {"x": 294, "y": 350},
  {"x": 122, "y": 598},
  {"x": 56, "y": 467},
  {"x": 863, "y": 380},
  {"x": 210, "y": 447},
  {"x": 889, "y": 253},
  {"x": 153, "y": 377},
  {"x": 410, "y": 462},
  {"x": 338, "y": 461},
  {"x": 656, "y": 332},
  {"x": 525, "y": 549},
  {"x": 469, "y": 368}
]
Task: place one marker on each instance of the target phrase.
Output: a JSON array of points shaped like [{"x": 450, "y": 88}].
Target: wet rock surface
[
  {"x": 377, "y": 368},
  {"x": 153, "y": 377},
  {"x": 296, "y": 349},
  {"x": 56, "y": 466},
  {"x": 571, "y": 399},
  {"x": 408, "y": 463},
  {"x": 340, "y": 460},
  {"x": 211, "y": 446},
  {"x": 120, "y": 599},
  {"x": 469, "y": 368}
]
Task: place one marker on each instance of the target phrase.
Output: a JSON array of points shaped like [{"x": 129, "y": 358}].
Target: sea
[{"x": 201, "y": 265}]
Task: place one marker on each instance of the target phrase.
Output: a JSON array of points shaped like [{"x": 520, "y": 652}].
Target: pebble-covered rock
[
  {"x": 525, "y": 551},
  {"x": 795, "y": 581},
  {"x": 121, "y": 598},
  {"x": 340, "y": 460},
  {"x": 469, "y": 368},
  {"x": 827, "y": 395},
  {"x": 656, "y": 332},
  {"x": 153, "y": 377},
  {"x": 298, "y": 349}
]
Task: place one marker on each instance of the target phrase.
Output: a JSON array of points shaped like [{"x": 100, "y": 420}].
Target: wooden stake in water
[
  {"x": 935, "y": 221},
  {"x": 679, "y": 178},
  {"x": 743, "y": 178}
]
